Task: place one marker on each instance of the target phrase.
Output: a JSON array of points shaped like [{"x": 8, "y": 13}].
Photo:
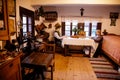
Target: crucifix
[{"x": 81, "y": 11}]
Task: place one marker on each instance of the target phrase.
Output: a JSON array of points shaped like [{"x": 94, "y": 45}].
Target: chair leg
[
  {"x": 54, "y": 67},
  {"x": 51, "y": 72}
]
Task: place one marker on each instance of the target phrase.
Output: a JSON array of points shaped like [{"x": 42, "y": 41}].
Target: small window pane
[
  {"x": 75, "y": 22},
  {"x": 87, "y": 33},
  {"x": 94, "y": 27},
  {"x": 86, "y": 29},
  {"x": 67, "y": 33},
  {"x": 29, "y": 20},
  {"x": 29, "y": 28},
  {"x": 94, "y": 23},
  {"x": 93, "y": 33},
  {"x": 67, "y": 27},
  {"x": 67, "y": 23},
  {"x": 24, "y": 20},
  {"x": 24, "y": 28}
]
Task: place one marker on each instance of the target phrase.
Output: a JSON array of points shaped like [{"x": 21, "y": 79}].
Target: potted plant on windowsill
[{"x": 75, "y": 30}]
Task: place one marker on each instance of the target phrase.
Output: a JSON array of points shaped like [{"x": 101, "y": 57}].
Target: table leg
[
  {"x": 40, "y": 72},
  {"x": 89, "y": 51},
  {"x": 65, "y": 50}
]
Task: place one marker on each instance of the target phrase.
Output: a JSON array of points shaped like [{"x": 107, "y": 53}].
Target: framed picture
[
  {"x": 1, "y": 10},
  {"x": 12, "y": 8},
  {"x": 11, "y": 26},
  {"x": 2, "y": 27},
  {"x": 113, "y": 17},
  {"x": 51, "y": 15}
]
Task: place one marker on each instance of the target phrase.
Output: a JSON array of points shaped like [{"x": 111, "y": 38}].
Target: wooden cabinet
[
  {"x": 10, "y": 70},
  {"x": 3, "y": 21},
  {"x": 7, "y": 18}
]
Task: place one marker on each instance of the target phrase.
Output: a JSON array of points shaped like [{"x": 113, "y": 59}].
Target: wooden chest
[{"x": 10, "y": 70}]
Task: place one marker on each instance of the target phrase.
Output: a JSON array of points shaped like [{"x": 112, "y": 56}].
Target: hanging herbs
[{"x": 41, "y": 11}]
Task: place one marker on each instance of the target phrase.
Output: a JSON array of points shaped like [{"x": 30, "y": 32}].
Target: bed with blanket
[{"x": 111, "y": 48}]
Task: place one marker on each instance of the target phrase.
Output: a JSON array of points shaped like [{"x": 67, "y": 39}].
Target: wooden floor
[
  {"x": 75, "y": 67},
  {"x": 78, "y": 67}
]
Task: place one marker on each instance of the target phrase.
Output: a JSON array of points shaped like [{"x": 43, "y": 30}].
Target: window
[
  {"x": 27, "y": 18},
  {"x": 94, "y": 28},
  {"x": 74, "y": 25},
  {"x": 89, "y": 27},
  {"x": 69, "y": 26},
  {"x": 24, "y": 18}
]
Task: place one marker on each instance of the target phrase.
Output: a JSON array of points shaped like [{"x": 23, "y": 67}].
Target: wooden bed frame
[
  {"x": 110, "y": 57},
  {"x": 114, "y": 63}
]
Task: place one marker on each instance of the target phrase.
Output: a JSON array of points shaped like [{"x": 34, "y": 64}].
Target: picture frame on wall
[
  {"x": 1, "y": 16},
  {"x": 51, "y": 15},
  {"x": 113, "y": 16},
  {"x": 1, "y": 10},
  {"x": 2, "y": 20},
  {"x": 12, "y": 26},
  {"x": 12, "y": 8}
]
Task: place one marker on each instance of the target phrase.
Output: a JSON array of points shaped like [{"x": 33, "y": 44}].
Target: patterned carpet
[{"x": 104, "y": 69}]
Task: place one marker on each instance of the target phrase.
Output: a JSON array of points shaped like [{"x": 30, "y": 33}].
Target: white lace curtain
[{"x": 81, "y": 19}]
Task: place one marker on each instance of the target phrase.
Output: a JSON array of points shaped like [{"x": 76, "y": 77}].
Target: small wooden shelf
[{"x": 51, "y": 16}]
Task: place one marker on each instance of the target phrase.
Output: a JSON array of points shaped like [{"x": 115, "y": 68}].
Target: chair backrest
[{"x": 50, "y": 49}]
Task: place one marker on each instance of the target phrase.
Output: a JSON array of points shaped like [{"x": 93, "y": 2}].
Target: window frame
[
  {"x": 82, "y": 25},
  {"x": 28, "y": 14}
]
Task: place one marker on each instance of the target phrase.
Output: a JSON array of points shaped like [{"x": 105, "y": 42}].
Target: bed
[{"x": 111, "y": 48}]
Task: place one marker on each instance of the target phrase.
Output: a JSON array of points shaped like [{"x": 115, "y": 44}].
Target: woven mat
[
  {"x": 108, "y": 76},
  {"x": 103, "y": 69},
  {"x": 102, "y": 66}
]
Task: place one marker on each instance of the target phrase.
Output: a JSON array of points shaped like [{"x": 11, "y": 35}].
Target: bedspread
[{"x": 111, "y": 46}]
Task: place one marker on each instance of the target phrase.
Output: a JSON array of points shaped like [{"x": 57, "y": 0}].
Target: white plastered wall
[
  {"x": 105, "y": 21},
  {"x": 51, "y": 2}
]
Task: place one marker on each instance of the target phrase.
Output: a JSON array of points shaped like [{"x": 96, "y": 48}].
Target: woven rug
[{"x": 104, "y": 69}]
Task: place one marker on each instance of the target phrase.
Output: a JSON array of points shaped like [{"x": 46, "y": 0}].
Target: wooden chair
[
  {"x": 58, "y": 47},
  {"x": 50, "y": 49}
]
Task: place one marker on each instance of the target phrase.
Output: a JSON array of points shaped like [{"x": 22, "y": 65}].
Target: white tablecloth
[{"x": 80, "y": 42}]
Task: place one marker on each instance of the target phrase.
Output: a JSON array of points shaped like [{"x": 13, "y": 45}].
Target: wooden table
[
  {"x": 38, "y": 61},
  {"x": 79, "y": 42}
]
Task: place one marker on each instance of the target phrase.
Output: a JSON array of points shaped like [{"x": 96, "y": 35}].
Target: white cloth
[{"x": 80, "y": 42}]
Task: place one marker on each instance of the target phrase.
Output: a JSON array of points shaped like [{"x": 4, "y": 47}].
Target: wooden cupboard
[
  {"x": 3, "y": 20},
  {"x": 11, "y": 69},
  {"x": 7, "y": 11}
]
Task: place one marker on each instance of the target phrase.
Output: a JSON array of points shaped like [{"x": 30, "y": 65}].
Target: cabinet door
[
  {"x": 11, "y": 10},
  {"x": 11, "y": 71},
  {"x": 3, "y": 21}
]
